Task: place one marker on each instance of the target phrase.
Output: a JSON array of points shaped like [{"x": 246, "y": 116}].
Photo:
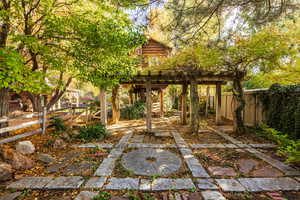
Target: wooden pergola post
[
  {"x": 115, "y": 105},
  {"x": 135, "y": 97},
  {"x": 148, "y": 106},
  {"x": 183, "y": 104},
  {"x": 218, "y": 103},
  {"x": 194, "y": 119},
  {"x": 207, "y": 101},
  {"x": 130, "y": 97},
  {"x": 161, "y": 93},
  {"x": 103, "y": 106}
]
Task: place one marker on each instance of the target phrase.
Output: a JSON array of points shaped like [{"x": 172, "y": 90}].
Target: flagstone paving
[{"x": 163, "y": 162}]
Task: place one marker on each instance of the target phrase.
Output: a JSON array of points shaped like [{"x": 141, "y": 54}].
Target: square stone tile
[
  {"x": 212, "y": 195},
  {"x": 162, "y": 184},
  {"x": 206, "y": 184},
  {"x": 106, "y": 167},
  {"x": 30, "y": 183},
  {"x": 95, "y": 182},
  {"x": 230, "y": 185},
  {"x": 269, "y": 184},
  {"x": 65, "y": 182},
  {"x": 263, "y": 145},
  {"x": 123, "y": 183},
  {"x": 162, "y": 134}
]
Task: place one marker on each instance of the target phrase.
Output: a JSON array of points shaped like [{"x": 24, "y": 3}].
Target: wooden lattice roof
[{"x": 181, "y": 76}]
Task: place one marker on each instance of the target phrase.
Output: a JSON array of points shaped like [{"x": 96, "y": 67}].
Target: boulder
[
  {"x": 59, "y": 144},
  {"x": 45, "y": 158},
  {"x": 25, "y": 147},
  {"x": 17, "y": 160},
  {"x": 6, "y": 172},
  {"x": 65, "y": 136}
]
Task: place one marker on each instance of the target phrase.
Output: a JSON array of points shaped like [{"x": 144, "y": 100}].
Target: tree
[
  {"x": 267, "y": 49},
  {"x": 63, "y": 40},
  {"x": 193, "y": 19}
]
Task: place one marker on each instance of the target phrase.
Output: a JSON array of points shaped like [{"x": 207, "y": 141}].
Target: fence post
[
  {"x": 44, "y": 120},
  {"x": 86, "y": 115}
]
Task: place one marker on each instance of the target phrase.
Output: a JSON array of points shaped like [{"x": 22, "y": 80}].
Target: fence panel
[
  {"x": 43, "y": 121},
  {"x": 253, "y": 114}
]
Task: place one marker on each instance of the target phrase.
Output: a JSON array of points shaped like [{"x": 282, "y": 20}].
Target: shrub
[
  {"x": 102, "y": 196},
  {"x": 92, "y": 132},
  {"x": 286, "y": 146},
  {"x": 135, "y": 111},
  {"x": 58, "y": 124}
]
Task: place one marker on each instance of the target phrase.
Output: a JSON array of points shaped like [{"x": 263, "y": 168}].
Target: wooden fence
[
  {"x": 253, "y": 113},
  {"x": 42, "y": 119}
]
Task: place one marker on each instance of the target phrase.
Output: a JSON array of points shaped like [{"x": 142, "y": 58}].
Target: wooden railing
[{"x": 43, "y": 120}]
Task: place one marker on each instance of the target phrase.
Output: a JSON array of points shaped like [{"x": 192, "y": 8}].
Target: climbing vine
[{"x": 282, "y": 106}]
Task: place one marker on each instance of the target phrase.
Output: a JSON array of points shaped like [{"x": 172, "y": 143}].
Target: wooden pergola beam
[
  {"x": 173, "y": 82},
  {"x": 148, "y": 106}
]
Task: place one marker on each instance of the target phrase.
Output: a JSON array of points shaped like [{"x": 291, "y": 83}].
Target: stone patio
[{"x": 155, "y": 167}]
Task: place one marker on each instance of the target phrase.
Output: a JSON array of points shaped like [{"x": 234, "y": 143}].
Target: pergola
[{"x": 182, "y": 76}]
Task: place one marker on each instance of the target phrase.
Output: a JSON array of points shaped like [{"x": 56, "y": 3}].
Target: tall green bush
[
  {"x": 135, "y": 111},
  {"x": 281, "y": 104}
]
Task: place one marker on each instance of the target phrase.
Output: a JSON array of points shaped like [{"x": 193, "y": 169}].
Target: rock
[
  {"x": 118, "y": 198},
  {"x": 195, "y": 196},
  {"x": 25, "y": 147},
  {"x": 267, "y": 172},
  {"x": 19, "y": 176},
  {"x": 6, "y": 172},
  {"x": 45, "y": 158},
  {"x": 65, "y": 136},
  {"x": 222, "y": 171},
  {"x": 75, "y": 132},
  {"x": 11, "y": 196},
  {"x": 17, "y": 160},
  {"x": 246, "y": 165},
  {"x": 59, "y": 144}
]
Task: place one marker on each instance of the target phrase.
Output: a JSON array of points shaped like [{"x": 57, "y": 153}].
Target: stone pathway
[{"x": 159, "y": 162}]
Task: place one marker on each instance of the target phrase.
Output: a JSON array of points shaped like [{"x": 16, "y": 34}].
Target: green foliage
[
  {"x": 286, "y": 146},
  {"x": 281, "y": 103},
  {"x": 58, "y": 124},
  {"x": 297, "y": 119},
  {"x": 102, "y": 196},
  {"x": 147, "y": 196},
  {"x": 15, "y": 75},
  {"x": 132, "y": 196},
  {"x": 135, "y": 111},
  {"x": 92, "y": 132}
]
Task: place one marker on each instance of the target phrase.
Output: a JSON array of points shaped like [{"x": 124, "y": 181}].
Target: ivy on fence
[{"x": 282, "y": 106}]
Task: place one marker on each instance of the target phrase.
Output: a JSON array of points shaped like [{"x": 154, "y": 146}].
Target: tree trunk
[
  {"x": 115, "y": 105},
  {"x": 238, "y": 95},
  {"x": 36, "y": 102},
  {"x": 103, "y": 106},
  {"x": 195, "y": 118},
  {"x": 4, "y": 105}
]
